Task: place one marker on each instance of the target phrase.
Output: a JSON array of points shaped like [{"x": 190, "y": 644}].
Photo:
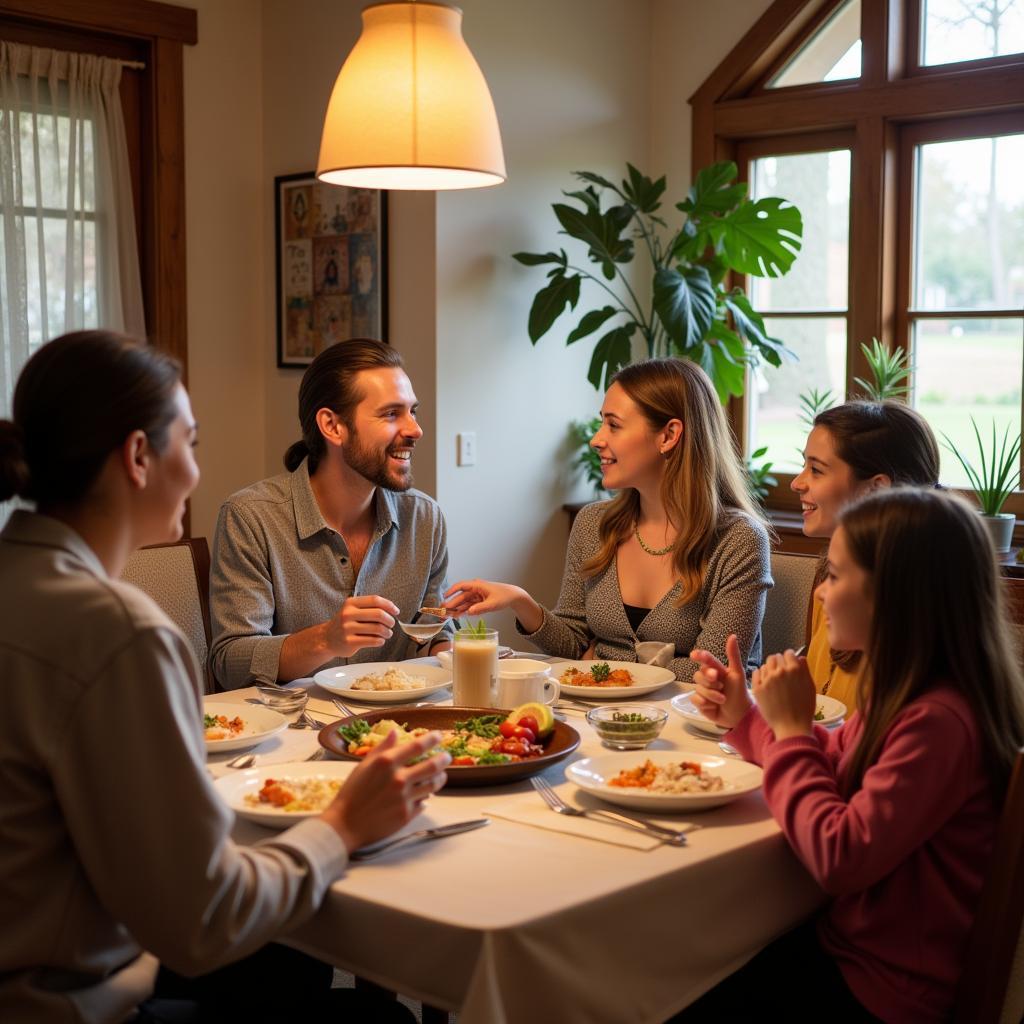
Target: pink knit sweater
[{"x": 904, "y": 858}]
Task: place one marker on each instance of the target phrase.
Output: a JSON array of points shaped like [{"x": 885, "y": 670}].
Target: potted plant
[
  {"x": 685, "y": 308},
  {"x": 993, "y": 482}
]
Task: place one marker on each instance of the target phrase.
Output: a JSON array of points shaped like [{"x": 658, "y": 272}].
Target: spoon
[{"x": 242, "y": 761}]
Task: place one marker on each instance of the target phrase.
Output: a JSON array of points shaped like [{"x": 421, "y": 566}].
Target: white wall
[
  {"x": 570, "y": 84},
  {"x": 578, "y": 84}
]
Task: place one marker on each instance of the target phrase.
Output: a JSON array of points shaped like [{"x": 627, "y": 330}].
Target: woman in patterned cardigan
[{"x": 678, "y": 559}]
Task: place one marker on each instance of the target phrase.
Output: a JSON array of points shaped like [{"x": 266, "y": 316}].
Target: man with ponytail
[{"x": 317, "y": 564}]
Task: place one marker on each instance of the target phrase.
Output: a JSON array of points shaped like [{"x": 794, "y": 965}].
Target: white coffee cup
[{"x": 524, "y": 681}]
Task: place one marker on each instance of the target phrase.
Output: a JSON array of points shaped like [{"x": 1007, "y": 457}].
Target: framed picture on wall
[{"x": 331, "y": 265}]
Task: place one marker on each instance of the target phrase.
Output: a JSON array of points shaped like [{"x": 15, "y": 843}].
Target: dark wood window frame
[
  {"x": 153, "y": 34},
  {"x": 894, "y": 102}
]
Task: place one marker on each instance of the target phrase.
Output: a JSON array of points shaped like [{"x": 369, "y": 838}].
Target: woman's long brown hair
[
  {"x": 938, "y": 618},
  {"x": 703, "y": 487}
]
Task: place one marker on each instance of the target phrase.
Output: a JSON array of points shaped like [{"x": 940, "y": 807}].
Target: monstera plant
[{"x": 687, "y": 309}]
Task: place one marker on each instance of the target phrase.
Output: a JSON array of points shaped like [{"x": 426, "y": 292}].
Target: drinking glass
[{"x": 475, "y": 668}]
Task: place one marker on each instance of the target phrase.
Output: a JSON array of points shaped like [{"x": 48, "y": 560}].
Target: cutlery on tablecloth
[
  {"x": 425, "y": 833},
  {"x": 559, "y": 806},
  {"x": 242, "y": 761}
]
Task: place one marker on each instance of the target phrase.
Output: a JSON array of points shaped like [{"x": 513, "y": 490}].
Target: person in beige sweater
[{"x": 114, "y": 848}]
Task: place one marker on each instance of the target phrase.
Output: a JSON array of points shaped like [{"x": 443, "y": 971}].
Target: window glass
[
  {"x": 966, "y": 368},
  {"x": 831, "y": 54},
  {"x": 970, "y": 221},
  {"x": 774, "y": 394},
  {"x": 819, "y": 185},
  {"x": 955, "y": 30}
]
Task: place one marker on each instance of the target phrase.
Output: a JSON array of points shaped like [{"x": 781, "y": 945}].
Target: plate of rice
[
  {"x": 228, "y": 726},
  {"x": 384, "y": 682},
  {"x": 665, "y": 781},
  {"x": 280, "y": 795}
]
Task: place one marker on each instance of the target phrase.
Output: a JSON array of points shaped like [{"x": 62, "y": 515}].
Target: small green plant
[
  {"x": 1000, "y": 468},
  {"x": 759, "y": 475},
  {"x": 889, "y": 370},
  {"x": 813, "y": 402},
  {"x": 587, "y": 458}
]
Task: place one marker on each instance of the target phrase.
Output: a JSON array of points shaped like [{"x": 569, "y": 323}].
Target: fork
[
  {"x": 314, "y": 723},
  {"x": 317, "y": 755},
  {"x": 559, "y": 806},
  {"x": 343, "y": 707}
]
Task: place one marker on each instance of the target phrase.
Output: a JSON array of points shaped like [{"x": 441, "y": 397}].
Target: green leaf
[
  {"x": 728, "y": 375},
  {"x": 549, "y": 303},
  {"x": 588, "y": 197},
  {"x": 713, "y": 191},
  {"x": 641, "y": 191},
  {"x": 594, "y": 179},
  {"x": 761, "y": 238},
  {"x": 750, "y": 326},
  {"x": 534, "y": 259},
  {"x": 600, "y": 232},
  {"x": 611, "y": 353},
  {"x": 590, "y": 323},
  {"x": 685, "y": 304}
]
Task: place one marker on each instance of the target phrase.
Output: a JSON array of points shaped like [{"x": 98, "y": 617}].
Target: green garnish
[
  {"x": 209, "y": 721},
  {"x": 600, "y": 672},
  {"x": 487, "y": 726},
  {"x": 628, "y": 716},
  {"x": 480, "y": 629},
  {"x": 819, "y": 713},
  {"x": 489, "y": 757},
  {"x": 354, "y": 731}
]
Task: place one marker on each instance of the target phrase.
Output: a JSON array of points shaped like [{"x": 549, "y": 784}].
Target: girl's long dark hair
[{"x": 938, "y": 619}]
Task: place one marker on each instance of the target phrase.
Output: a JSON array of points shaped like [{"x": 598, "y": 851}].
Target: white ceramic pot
[{"x": 1000, "y": 528}]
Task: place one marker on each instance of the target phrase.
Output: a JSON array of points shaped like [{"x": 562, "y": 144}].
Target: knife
[{"x": 425, "y": 833}]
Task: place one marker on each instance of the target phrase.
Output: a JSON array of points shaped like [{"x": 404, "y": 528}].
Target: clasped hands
[{"x": 782, "y": 687}]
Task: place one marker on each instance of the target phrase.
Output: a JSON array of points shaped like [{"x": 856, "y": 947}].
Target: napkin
[
  {"x": 530, "y": 809},
  {"x": 654, "y": 652}
]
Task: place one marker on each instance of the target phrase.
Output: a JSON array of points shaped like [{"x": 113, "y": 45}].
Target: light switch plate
[{"x": 465, "y": 448}]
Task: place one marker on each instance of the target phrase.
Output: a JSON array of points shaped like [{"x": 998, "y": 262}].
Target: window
[{"x": 907, "y": 171}]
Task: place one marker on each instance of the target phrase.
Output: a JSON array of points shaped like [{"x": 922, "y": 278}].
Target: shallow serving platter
[
  {"x": 340, "y": 680},
  {"x": 235, "y": 787},
  {"x": 646, "y": 679},
  {"x": 592, "y": 774},
  {"x": 562, "y": 742},
  {"x": 260, "y": 724}
]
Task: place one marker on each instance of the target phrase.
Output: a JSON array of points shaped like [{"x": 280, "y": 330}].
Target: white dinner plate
[
  {"x": 340, "y": 680},
  {"x": 234, "y": 788},
  {"x": 259, "y": 724},
  {"x": 593, "y": 773},
  {"x": 646, "y": 679},
  {"x": 831, "y": 710}
]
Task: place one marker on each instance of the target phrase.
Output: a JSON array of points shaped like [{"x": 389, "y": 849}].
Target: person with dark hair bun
[
  {"x": 316, "y": 565},
  {"x": 114, "y": 847},
  {"x": 852, "y": 450}
]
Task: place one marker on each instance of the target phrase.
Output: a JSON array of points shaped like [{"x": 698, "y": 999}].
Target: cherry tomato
[
  {"x": 529, "y": 722},
  {"x": 522, "y": 733},
  {"x": 507, "y": 729},
  {"x": 516, "y": 748},
  {"x": 463, "y": 761}
]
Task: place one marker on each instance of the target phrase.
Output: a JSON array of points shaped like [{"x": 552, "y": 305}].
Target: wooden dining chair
[
  {"x": 177, "y": 577},
  {"x": 785, "y": 610},
  {"x": 992, "y": 986}
]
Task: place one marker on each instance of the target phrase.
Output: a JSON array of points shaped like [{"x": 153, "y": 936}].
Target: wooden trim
[
  {"x": 965, "y": 314},
  {"x": 136, "y": 18},
  {"x": 912, "y": 35},
  {"x": 796, "y": 44},
  {"x": 790, "y": 144},
  {"x": 843, "y": 104},
  {"x": 750, "y": 58}
]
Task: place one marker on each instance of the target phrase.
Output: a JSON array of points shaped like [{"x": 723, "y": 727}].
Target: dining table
[{"x": 536, "y": 916}]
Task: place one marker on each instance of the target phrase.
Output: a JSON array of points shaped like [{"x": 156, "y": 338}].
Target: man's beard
[{"x": 372, "y": 463}]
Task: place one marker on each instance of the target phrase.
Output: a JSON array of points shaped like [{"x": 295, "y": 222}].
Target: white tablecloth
[{"x": 511, "y": 923}]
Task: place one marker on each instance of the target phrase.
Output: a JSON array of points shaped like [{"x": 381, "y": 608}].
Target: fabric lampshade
[{"x": 410, "y": 108}]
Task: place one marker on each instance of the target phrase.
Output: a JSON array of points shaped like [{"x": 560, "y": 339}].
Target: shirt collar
[
  {"x": 309, "y": 520},
  {"x": 35, "y": 529}
]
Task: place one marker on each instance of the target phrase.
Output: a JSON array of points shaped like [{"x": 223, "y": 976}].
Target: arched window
[{"x": 897, "y": 126}]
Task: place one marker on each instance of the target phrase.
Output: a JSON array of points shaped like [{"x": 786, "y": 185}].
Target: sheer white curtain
[{"x": 68, "y": 255}]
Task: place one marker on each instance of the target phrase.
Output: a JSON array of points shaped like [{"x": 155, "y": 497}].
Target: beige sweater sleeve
[{"x": 153, "y": 836}]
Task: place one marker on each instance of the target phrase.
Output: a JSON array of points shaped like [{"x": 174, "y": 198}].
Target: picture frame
[{"x": 331, "y": 261}]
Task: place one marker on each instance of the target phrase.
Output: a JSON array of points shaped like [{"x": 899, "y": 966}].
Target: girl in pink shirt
[{"x": 893, "y": 813}]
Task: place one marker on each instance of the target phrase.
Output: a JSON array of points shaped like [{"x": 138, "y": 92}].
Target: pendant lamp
[{"x": 410, "y": 108}]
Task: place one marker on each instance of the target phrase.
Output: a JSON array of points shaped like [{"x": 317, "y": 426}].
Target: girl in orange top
[{"x": 854, "y": 449}]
